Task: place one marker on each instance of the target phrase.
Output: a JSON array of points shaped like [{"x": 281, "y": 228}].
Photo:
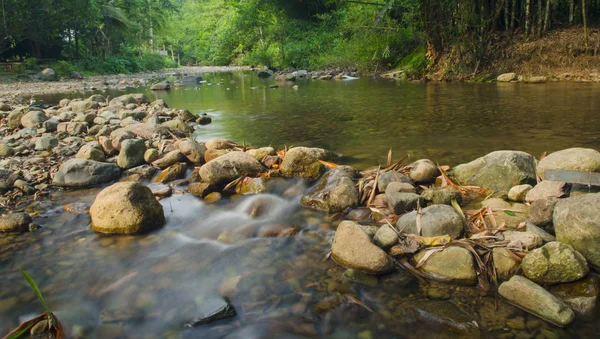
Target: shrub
[{"x": 63, "y": 68}]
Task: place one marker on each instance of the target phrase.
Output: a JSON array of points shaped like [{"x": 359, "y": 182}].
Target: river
[{"x": 149, "y": 286}]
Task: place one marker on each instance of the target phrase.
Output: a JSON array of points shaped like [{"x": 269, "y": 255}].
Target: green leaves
[{"x": 511, "y": 213}]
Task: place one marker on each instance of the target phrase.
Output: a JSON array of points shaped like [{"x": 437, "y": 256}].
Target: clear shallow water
[
  {"x": 148, "y": 286},
  {"x": 361, "y": 119}
]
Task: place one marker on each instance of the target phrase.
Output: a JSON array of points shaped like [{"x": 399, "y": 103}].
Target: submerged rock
[
  {"x": 210, "y": 310},
  {"x": 15, "y": 222},
  {"x": 577, "y": 223},
  {"x": 436, "y": 220},
  {"x": 83, "y": 173},
  {"x": 304, "y": 162},
  {"x": 497, "y": 171},
  {"x": 126, "y": 208},
  {"x": 580, "y": 295},
  {"x": 505, "y": 263},
  {"x": 554, "y": 263},
  {"x": 229, "y": 167},
  {"x": 531, "y": 297},
  {"x": 353, "y": 248},
  {"x": 336, "y": 191},
  {"x": 574, "y": 159},
  {"x": 452, "y": 265}
]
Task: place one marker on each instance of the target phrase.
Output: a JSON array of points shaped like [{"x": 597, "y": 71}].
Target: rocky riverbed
[{"x": 493, "y": 225}]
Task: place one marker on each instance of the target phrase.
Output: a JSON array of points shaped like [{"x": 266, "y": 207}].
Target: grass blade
[{"x": 37, "y": 291}]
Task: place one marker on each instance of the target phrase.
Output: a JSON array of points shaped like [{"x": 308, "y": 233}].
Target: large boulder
[
  {"x": 554, "y": 263},
  {"x": 161, "y": 86},
  {"x": 336, "y": 191},
  {"x": 228, "y": 167},
  {"x": 533, "y": 298},
  {"x": 83, "y": 173},
  {"x": 352, "y": 248},
  {"x": 574, "y": 159},
  {"x": 436, "y": 220},
  {"x": 304, "y": 162},
  {"x": 126, "y": 208},
  {"x": 452, "y": 265},
  {"x": 131, "y": 154},
  {"x": 497, "y": 171},
  {"x": 577, "y": 223}
]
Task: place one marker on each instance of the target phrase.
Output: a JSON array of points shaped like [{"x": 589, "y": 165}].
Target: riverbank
[
  {"x": 501, "y": 223},
  {"x": 15, "y": 90}
]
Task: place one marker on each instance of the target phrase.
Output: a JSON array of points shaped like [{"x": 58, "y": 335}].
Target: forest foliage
[{"x": 115, "y": 36}]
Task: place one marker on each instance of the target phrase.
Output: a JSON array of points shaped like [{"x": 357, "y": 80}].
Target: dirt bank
[{"x": 13, "y": 91}]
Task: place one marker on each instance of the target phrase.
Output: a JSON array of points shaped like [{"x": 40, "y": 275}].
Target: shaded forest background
[{"x": 456, "y": 37}]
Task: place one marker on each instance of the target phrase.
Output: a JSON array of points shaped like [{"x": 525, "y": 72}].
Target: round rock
[{"x": 126, "y": 208}]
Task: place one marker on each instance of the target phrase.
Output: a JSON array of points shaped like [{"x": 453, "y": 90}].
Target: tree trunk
[
  {"x": 547, "y": 16},
  {"x": 513, "y": 14},
  {"x": 585, "y": 38},
  {"x": 527, "y": 17},
  {"x": 540, "y": 18},
  {"x": 506, "y": 11},
  {"x": 571, "y": 10}
]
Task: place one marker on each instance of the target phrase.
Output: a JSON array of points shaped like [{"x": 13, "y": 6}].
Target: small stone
[
  {"x": 505, "y": 263},
  {"x": 396, "y": 186},
  {"x": 212, "y": 197},
  {"x": 507, "y": 77},
  {"x": 385, "y": 237},
  {"x": 386, "y": 178},
  {"x": 201, "y": 189},
  {"x": 548, "y": 189},
  {"x": 352, "y": 248},
  {"x": 441, "y": 196},
  {"x": 151, "y": 155},
  {"x": 541, "y": 211},
  {"x": 173, "y": 172},
  {"x": 169, "y": 159},
  {"x": 160, "y": 190},
  {"x": 400, "y": 203},
  {"x": 45, "y": 143},
  {"x": 436, "y": 220},
  {"x": 423, "y": 171},
  {"x": 15, "y": 222},
  {"x": 518, "y": 193},
  {"x": 131, "y": 154},
  {"x": 91, "y": 151},
  {"x": 360, "y": 277},
  {"x": 546, "y": 237}
]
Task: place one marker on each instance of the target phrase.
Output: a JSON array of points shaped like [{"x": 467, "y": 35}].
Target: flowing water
[{"x": 151, "y": 286}]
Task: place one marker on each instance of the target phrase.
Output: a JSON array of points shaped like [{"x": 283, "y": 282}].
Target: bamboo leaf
[
  {"x": 457, "y": 208},
  {"x": 511, "y": 213}
]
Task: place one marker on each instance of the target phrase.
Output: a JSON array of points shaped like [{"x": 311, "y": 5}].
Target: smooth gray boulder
[
  {"x": 401, "y": 202},
  {"x": 533, "y": 298},
  {"x": 497, "y": 171},
  {"x": 84, "y": 173},
  {"x": 228, "y": 167},
  {"x": 436, "y": 220},
  {"x": 577, "y": 223}
]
